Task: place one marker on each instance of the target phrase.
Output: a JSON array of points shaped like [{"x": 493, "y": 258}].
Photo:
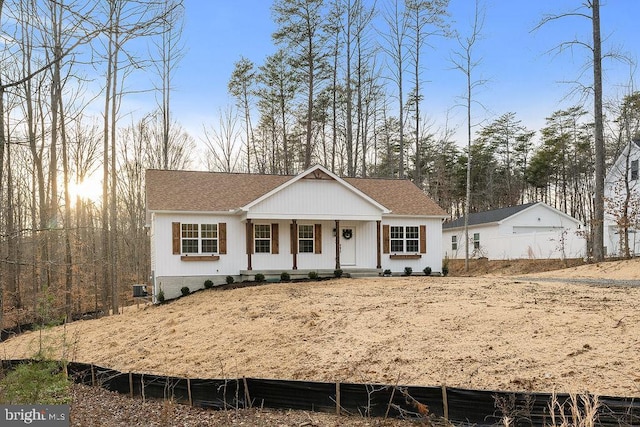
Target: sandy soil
[{"x": 486, "y": 333}]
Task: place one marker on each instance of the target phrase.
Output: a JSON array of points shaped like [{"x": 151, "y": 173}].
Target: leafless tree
[
  {"x": 465, "y": 61},
  {"x": 425, "y": 20},
  {"x": 396, "y": 50},
  {"x": 595, "y": 47},
  {"x": 222, "y": 143},
  {"x": 169, "y": 50}
]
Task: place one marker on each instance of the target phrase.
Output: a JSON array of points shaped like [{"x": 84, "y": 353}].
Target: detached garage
[{"x": 529, "y": 231}]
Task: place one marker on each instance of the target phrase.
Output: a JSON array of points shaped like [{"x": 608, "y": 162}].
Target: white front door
[{"x": 347, "y": 246}]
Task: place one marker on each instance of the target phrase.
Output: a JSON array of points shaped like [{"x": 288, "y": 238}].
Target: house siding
[
  {"x": 614, "y": 193},
  {"x": 171, "y": 273},
  {"x": 433, "y": 254},
  {"x": 327, "y": 199}
]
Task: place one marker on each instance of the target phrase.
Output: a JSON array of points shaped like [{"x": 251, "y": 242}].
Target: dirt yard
[{"x": 489, "y": 332}]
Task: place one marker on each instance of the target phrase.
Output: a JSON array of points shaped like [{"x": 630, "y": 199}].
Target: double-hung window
[
  {"x": 454, "y": 243},
  {"x": 190, "y": 240},
  {"x": 476, "y": 240},
  {"x": 412, "y": 239},
  {"x": 262, "y": 237},
  {"x": 634, "y": 170},
  {"x": 199, "y": 238},
  {"x": 305, "y": 238},
  {"x": 209, "y": 238},
  {"x": 405, "y": 239},
  {"x": 397, "y": 239}
]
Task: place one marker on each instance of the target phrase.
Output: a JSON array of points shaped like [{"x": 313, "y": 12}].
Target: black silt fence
[{"x": 460, "y": 406}]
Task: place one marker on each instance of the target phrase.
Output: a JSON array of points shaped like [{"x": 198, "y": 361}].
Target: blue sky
[{"x": 522, "y": 76}]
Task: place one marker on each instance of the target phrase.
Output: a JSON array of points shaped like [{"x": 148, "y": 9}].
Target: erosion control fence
[{"x": 459, "y": 406}]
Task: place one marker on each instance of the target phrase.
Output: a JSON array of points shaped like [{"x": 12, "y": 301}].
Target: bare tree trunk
[
  {"x": 598, "y": 220},
  {"x": 68, "y": 260},
  {"x": 105, "y": 255},
  {"x": 468, "y": 180},
  {"x": 12, "y": 293},
  {"x": 464, "y": 62},
  {"x": 349, "y": 95},
  {"x": 113, "y": 200}
]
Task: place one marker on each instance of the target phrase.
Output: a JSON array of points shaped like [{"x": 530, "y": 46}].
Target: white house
[
  {"x": 209, "y": 225},
  {"x": 622, "y": 187},
  {"x": 531, "y": 231}
]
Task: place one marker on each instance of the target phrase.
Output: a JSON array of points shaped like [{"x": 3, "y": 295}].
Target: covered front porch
[{"x": 299, "y": 246}]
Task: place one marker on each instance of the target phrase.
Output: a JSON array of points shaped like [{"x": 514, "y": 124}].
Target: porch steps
[{"x": 304, "y": 273}]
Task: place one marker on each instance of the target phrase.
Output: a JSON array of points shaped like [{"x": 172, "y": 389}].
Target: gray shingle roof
[{"x": 487, "y": 217}]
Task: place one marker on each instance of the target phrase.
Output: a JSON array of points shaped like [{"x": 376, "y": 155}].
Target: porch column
[
  {"x": 337, "y": 233},
  {"x": 294, "y": 243},
  {"x": 379, "y": 254},
  {"x": 249, "y": 236}
]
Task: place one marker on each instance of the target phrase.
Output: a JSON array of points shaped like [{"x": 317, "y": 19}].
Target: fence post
[
  {"x": 337, "y": 398},
  {"x": 130, "y": 384},
  {"x": 93, "y": 375},
  {"x": 445, "y": 402},
  {"x": 247, "y": 396},
  {"x": 189, "y": 391}
]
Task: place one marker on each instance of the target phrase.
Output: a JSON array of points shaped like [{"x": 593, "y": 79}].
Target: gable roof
[
  {"x": 319, "y": 172},
  {"x": 487, "y": 217},
  {"x": 619, "y": 166},
  {"x": 192, "y": 191}
]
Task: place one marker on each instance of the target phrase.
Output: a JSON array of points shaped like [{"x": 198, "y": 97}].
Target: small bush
[
  {"x": 387, "y": 272},
  {"x": 445, "y": 266},
  {"x": 313, "y": 275},
  {"x": 259, "y": 277},
  {"x": 161, "y": 296},
  {"x": 285, "y": 277},
  {"x": 427, "y": 271},
  {"x": 337, "y": 273},
  {"x": 408, "y": 271},
  {"x": 185, "y": 291},
  {"x": 208, "y": 284},
  {"x": 43, "y": 382},
  {"x": 230, "y": 280}
]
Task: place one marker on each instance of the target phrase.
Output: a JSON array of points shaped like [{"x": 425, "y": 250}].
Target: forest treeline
[{"x": 345, "y": 88}]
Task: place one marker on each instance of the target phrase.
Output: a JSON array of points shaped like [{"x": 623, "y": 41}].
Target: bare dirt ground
[{"x": 490, "y": 332}]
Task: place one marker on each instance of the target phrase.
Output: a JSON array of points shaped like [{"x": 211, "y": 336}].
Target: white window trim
[
  {"x": 404, "y": 239},
  {"x": 256, "y": 239},
  {"x": 312, "y": 238},
  {"x": 199, "y": 238}
]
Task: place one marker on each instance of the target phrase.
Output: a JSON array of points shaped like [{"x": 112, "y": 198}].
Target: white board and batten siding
[
  {"x": 316, "y": 200},
  {"x": 433, "y": 238},
  {"x": 171, "y": 273}
]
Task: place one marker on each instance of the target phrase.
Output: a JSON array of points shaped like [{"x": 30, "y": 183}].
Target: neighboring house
[
  {"x": 209, "y": 225},
  {"x": 533, "y": 230},
  {"x": 622, "y": 187}
]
